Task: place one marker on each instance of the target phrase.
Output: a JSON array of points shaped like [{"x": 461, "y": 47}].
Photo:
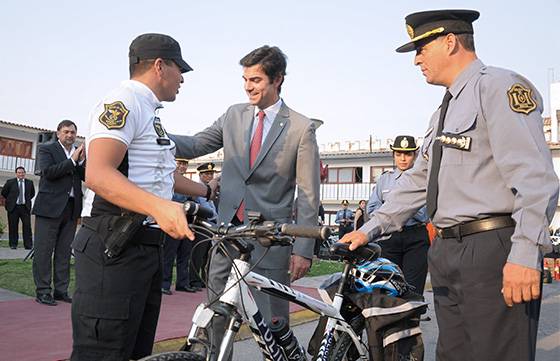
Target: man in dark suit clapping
[
  {"x": 57, "y": 208},
  {"x": 18, "y": 192}
]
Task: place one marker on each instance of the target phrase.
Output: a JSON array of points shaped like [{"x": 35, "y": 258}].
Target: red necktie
[{"x": 254, "y": 152}]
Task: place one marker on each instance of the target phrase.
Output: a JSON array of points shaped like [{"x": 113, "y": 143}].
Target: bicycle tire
[
  {"x": 174, "y": 356},
  {"x": 342, "y": 349}
]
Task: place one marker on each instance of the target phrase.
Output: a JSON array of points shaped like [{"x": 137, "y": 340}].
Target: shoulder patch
[
  {"x": 114, "y": 115},
  {"x": 521, "y": 99}
]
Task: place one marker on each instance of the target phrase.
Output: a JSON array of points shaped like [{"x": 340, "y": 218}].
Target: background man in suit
[
  {"x": 57, "y": 208},
  {"x": 18, "y": 193},
  {"x": 268, "y": 150}
]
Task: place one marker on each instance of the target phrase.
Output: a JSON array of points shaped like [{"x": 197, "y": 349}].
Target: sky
[{"x": 59, "y": 58}]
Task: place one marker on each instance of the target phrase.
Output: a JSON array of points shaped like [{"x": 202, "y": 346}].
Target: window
[
  {"x": 345, "y": 175},
  {"x": 15, "y": 147},
  {"x": 376, "y": 172}
]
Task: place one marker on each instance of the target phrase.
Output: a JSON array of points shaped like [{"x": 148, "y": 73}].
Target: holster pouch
[{"x": 116, "y": 231}]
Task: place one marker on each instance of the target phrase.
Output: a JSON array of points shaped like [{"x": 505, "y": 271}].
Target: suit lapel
[
  {"x": 61, "y": 152},
  {"x": 276, "y": 129}
]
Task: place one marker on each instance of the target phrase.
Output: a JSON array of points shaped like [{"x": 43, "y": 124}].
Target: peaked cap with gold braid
[{"x": 434, "y": 23}]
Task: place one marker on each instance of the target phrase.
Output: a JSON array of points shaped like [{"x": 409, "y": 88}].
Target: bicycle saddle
[{"x": 368, "y": 252}]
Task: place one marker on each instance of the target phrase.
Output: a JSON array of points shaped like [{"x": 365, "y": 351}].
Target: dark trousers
[
  {"x": 179, "y": 251},
  {"x": 200, "y": 255},
  {"x": 117, "y": 300},
  {"x": 474, "y": 321},
  {"x": 53, "y": 236},
  {"x": 409, "y": 250},
  {"x": 20, "y": 212}
]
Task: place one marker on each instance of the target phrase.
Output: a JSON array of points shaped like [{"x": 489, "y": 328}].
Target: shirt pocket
[{"x": 459, "y": 126}]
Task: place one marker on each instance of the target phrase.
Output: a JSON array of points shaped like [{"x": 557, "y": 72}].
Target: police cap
[
  {"x": 206, "y": 167},
  {"x": 153, "y": 46},
  {"x": 404, "y": 143},
  {"x": 345, "y": 202},
  {"x": 434, "y": 23}
]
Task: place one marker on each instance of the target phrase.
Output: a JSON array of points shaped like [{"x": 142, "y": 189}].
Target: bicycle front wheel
[
  {"x": 343, "y": 349},
  {"x": 174, "y": 356}
]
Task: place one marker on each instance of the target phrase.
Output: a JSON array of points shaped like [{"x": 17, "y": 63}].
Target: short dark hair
[
  {"x": 20, "y": 167},
  {"x": 144, "y": 65},
  {"x": 466, "y": 40},
  {"x": 66, "y": 123},
  {"x": 272, "y": 60}
]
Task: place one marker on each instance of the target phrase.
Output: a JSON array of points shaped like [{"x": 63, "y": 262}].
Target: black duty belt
[
  {"x": 145, "y": 235},
  {"x": 481, "y": 225}
]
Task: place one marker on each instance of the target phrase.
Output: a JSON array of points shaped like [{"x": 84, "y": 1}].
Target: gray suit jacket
[{"x": 289, "y": 157}]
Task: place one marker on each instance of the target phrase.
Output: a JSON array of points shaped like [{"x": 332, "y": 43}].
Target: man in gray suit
[{"x": 269, "y": 149}]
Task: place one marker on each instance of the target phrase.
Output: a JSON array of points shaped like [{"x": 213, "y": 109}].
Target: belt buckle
[{"x": 439, "y": 232}]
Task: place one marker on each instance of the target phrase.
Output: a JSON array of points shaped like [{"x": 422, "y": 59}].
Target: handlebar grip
[
  {"x": 321, "y": 232},
  {"x": 194, "y": 209}
]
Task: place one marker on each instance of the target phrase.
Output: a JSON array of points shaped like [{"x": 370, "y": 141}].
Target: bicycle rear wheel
[
  {"x": 343, "y": 348},
  {"x": 174, "y": 356}
]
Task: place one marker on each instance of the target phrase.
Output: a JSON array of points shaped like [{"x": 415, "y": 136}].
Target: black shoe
[
  {"x": 63, "y": 297},
  {"x": 13, "y": 247},
  {"x": 28, "y": 248},
  {"x": 166, "y": 291},
  {"x": 46, "y": 299},
  {"x": 185, "y": 289}
]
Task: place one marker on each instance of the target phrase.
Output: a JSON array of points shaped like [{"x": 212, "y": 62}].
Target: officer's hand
[
  {"x": 299, "y": 266},
  {"x": 356, "y": 239},
  {"x": 170, "y": 216},
  {"x": 521, "y": 284}
]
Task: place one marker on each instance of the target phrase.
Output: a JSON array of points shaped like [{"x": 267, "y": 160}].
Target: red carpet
[{"x": 33, "y": 332}]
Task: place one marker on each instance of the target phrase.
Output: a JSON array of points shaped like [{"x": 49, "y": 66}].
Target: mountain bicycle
[{"x": 344, "y": 329}]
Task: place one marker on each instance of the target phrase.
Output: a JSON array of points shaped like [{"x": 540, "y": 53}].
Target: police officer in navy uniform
[
  {"x": 201, "y": 249},
  {"x": 408, "y": 248},
  {"x": 486, "y": 176},
  {"x": 344, "y": 219},
  {"x": 132, "y": 169}
]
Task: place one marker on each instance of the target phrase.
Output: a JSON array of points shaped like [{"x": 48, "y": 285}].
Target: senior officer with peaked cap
[
  {"x": 486, "y": 175},
  {"x": 408, "y": 247}
]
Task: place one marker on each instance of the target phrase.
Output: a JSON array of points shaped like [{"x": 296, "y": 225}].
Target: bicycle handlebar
[
  {"x": 320, "y": 232},
  {"x": 194, "y": 209},
  {"x": 266, "y": 232}
]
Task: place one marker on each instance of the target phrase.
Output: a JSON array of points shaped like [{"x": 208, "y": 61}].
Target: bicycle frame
[{"x": 238, "y": 295}]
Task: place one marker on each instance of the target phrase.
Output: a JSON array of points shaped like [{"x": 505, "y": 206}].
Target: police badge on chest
[{"x": 162, "y": 138}]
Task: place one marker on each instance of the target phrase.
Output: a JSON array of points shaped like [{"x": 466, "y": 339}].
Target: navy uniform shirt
[
  {"x": 344, "y": 214},
  {"x": 507, "y": 167},
  {"x": 380, "y": 192}
]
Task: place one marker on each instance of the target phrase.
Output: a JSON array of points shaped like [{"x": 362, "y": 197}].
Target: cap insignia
[
  {"x": 114, "y": 115},
  {"x": 410, "y": 31},
  {"x": 521, "y": 99},
  {"x": 404, "y": 143}
]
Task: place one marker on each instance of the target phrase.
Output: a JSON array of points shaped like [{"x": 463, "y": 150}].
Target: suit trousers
[
  {"x": 269, "y": 306},
  {"x": 409, "y": 250},
  {"x": 176, "y": 251},
  {"x": 53, "y": 235},
  {"x": 474, "y": 322},
  {"x": 20, "y": 211},
  {"x": 116, "y": 305}
]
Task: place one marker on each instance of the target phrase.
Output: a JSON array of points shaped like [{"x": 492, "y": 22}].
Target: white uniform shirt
[{"x": 150, "y": 164}]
